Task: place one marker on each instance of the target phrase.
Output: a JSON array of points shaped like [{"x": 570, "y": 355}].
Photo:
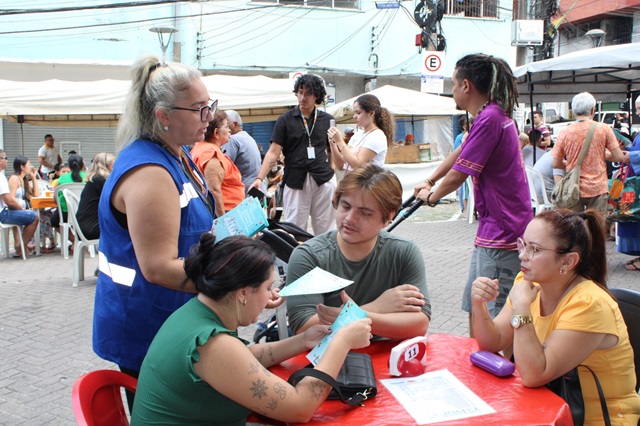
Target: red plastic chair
[{"x": 97, "y": 399}]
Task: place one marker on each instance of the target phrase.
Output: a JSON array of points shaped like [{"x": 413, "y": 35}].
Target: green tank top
[{"x": 169, "y": 390}]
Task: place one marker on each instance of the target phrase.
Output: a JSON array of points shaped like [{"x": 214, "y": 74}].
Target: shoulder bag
[
  {"x": 568, "y": 388},
  {"x": 566, "y": 193},
  {"x": 356, "y": 380}
]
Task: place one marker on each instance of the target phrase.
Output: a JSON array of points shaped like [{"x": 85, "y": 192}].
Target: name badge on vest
[{"x": 311, "y": 153}]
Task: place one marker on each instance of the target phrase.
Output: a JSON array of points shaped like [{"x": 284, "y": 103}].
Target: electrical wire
[
  {"x": 267, "y": 31},
  {"x": 8, "y": 12},
  {"x": 233, "y": 39},
  {"x": 139, "y": 21},
  {"x": 334, "y": 49}
]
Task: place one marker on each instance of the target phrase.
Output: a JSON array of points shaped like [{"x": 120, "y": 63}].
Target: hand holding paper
[{"x": 350, "y": 312}]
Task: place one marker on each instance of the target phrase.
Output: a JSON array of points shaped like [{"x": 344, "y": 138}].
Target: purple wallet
[{"x": 494, "y": 364}]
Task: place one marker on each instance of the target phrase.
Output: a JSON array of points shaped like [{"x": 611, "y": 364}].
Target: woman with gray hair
[
  {"x": 594, "y": 187},
  {"x": 154, "y": 207}
]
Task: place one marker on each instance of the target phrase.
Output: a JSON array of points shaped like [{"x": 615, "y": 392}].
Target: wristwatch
[{"x": 518, "y": 320}]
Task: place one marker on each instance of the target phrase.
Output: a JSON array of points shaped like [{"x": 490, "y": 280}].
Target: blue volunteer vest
[{"x": 129, "y": 310}]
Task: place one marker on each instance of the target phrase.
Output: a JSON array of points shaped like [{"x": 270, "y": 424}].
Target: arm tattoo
[
  {"x": 258, "y": 388},
  {"x": 253, "y": 368},
  {"x": 273, "y": 404},
  {"x": 281, "y": 390},
  {"x": 317, "y": 389},
  {"x": 271, "y": 357}
]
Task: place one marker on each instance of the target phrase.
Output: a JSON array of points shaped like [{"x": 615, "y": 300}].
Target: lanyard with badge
[{"x": 311, "y": 152}]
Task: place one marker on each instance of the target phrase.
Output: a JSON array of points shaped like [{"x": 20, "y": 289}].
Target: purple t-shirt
[{"x": 491, "y": 155}]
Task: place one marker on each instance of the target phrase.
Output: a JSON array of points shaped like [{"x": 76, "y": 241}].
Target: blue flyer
[{"x": 350, "y": 312}]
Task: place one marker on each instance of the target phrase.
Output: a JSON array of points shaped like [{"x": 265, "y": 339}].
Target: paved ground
[{"x": 45, "y": 323}]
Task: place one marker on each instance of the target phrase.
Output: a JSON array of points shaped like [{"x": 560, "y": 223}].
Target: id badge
[{"x": 311, "y": 153}]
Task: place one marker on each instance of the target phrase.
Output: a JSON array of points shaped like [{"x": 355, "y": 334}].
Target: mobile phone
[
  {"x": 332, "y": 123},
  {"x": 255, "y": 192}
]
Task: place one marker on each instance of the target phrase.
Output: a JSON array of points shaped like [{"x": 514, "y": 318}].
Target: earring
[
  {"x": 562, "y": 271},
  {"x": 244, "y": 302},
  {"x": 165, "y": 128}
]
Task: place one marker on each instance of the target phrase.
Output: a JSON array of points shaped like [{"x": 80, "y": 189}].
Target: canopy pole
[
  {"x": 534, "y": 134},
  {"x": 21, "y": 121}
]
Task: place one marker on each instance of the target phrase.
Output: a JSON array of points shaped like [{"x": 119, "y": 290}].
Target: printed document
[
  {"x": 316, "y": 281},
  {"x": 436, "y": 396}
]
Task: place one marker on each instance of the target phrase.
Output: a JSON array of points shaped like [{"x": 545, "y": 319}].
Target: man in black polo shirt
[{"x": 301, "y": 135}]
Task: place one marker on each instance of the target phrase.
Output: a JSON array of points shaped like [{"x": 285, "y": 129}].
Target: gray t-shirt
[
  {"x": 394, "y": 261},
  {"x": 243, "y": 151}
]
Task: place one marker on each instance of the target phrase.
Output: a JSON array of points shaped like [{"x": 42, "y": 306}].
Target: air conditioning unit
[{"x": 527, "y": 32}]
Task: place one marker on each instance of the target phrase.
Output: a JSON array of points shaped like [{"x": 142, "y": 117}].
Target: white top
[
  {"x": 4, "y": 189},
  {"x": 50, "y": 156},
  {"x": 374, "y": 140}
]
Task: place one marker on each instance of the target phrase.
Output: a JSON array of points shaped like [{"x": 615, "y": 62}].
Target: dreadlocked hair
[{"x": 491, "y": 76}]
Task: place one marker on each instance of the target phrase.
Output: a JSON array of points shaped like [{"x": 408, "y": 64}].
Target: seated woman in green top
[{"x": 197, "y": 370}]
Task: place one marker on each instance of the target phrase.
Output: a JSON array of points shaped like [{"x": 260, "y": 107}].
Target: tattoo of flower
[
  {"x": 317, "y": 389},
  {"x": 271, "y": 355},
  {"x": 281, "y": 390},
  {"x": 254, "y": 368},
  {"x": 273, "y": 404},
  {"x": 259, "y": 388}
]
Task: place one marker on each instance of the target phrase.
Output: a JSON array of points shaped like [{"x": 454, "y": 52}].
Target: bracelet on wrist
[
  {"x": 429, "y": 203},
  {"x": 340, "y": 149},
  {"x": 430, "y": 182}
]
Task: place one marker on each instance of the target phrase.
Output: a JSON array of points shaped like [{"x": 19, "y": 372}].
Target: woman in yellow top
[{"x": 560, "y": 314}]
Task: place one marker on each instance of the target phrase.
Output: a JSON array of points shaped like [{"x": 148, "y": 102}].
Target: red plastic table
[{"x": 514, "y": 404}]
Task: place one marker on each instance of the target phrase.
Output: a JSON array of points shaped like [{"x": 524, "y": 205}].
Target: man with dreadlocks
[{"x": 485, "y": 87}]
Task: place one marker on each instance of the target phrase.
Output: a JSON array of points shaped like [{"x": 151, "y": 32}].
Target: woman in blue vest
[{"x": 153, "y": 208}]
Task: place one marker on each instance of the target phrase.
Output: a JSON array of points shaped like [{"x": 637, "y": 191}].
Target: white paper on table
[
  {"x": 314, "y": 282},
  {"x": 436, "y": 396}
]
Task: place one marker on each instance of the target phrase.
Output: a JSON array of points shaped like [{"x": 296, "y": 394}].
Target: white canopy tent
[
  {"x": 609, "y": 73},
  {"x": 431, "y": 111},
  {"x": 98, "y": 103}
]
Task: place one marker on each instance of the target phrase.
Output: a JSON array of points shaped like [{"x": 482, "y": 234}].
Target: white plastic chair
[
  {"x": 6, "y": 249},
  {"x": 536, "y": 180},
  {"x": 81, "y": 241},
  {"x": 76, "y": 188}
]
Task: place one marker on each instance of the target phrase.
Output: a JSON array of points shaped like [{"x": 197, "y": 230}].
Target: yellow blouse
[{"x": 589, "y": 308}]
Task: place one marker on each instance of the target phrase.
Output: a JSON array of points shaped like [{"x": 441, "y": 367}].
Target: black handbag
[
  {"x": 568, "y": 388},
  {"x": 356, "y": 380}
]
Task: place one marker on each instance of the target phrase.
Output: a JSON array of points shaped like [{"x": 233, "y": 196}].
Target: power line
[
  {"x": 7, "y": 12},
  {"x": 267, "y": 40},
  {"x": 133, "y": 22}
]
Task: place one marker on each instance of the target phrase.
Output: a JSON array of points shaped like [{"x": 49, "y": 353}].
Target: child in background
[{"x": 60, "y": 169}]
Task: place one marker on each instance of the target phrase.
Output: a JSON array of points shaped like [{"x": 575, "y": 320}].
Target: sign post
[{"x": 432, "y": 72}]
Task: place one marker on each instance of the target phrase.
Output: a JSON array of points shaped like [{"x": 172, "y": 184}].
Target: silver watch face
[{"x": 515, "y": 321}]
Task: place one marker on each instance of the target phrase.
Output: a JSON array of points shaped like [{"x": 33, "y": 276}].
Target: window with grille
[
  {"x": 472, "y": 8},
  {"x": 340, "y": 4}
]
